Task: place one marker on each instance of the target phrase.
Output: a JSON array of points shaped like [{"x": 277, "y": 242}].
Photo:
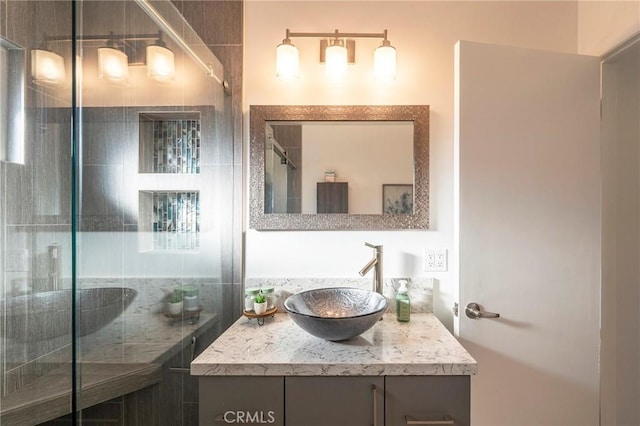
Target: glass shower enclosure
[{"x": 117, "y": 202}]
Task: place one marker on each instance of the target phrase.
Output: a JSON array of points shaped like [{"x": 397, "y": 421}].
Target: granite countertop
[
  {"x": 142, "y": 338},
  {"x": 279, "y": 347}
]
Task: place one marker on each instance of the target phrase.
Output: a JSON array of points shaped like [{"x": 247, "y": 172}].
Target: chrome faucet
[{"x": 377, "y": 263}]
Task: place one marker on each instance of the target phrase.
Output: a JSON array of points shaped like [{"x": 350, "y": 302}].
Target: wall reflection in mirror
[{"x": 339, "y": 167}]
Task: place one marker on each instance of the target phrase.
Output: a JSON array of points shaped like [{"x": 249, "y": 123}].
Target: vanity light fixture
[
  {"x": 114, "y": 58},
  {"x": 336, "y": 51},
  {"x": 384, "y": 60},
  {"x": 113, "y": 63},
  {"x": 287, "y": 60},
  {"x": 335, "y": 59},
  {"x": 161, "y": 65},
  {"x": 47, "y": 67}
]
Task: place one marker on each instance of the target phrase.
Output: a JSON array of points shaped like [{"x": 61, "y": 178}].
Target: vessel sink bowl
[
  {"x": 43, "y": 316},
  {"x": 336, "y": 313}
]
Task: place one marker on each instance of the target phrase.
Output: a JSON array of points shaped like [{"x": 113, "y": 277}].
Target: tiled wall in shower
[
  {"x": 176, "y": 146},
  {"x": 170, "y": 143}
]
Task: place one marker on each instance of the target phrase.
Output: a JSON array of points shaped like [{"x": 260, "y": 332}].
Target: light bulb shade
[
  {"x": 161, "y": 65},
  {"x": 384, "y": 62},
  {"x": 287, "y": 61},
  {"x": 112, "y": 64},
  {"x": 47, "y": 67},
  {"x": 336, "y": 61}
]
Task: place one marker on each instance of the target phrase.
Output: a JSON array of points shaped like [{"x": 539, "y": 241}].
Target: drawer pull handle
[
  {"x": 375, "y": 404},
  {"x": 445, "y": 421}
]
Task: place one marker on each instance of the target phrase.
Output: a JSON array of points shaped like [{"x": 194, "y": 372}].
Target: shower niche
[
  {"x": 169, "y": 149},
  {"x": 170, "y": 142},
  {"x": 170, "y": 220}
]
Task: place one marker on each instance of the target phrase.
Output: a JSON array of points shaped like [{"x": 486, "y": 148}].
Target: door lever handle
[{"x": 474, "y": 311}]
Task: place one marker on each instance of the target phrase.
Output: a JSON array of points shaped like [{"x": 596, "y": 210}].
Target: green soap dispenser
[{"x": 403, "y": 303}]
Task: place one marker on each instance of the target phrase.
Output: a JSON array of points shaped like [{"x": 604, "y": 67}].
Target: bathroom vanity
[{"x": 393, "y": 374}]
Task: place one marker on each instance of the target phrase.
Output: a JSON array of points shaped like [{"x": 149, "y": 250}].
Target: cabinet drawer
[
  {"x": 241, "y": 400},
  {"x": 427, "y": 398},
  {"x": 335, "y": 401}
]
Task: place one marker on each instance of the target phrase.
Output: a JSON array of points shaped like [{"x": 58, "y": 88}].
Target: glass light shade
[
  {"x": 287, "y": 61},
  {"x": 336, "y": 61},
  {"x": 112, "y": 64},
  {"x": 47, "y": 67},
  {"x": 161, "y": 65},
  {"x": 384, "y": 62}
]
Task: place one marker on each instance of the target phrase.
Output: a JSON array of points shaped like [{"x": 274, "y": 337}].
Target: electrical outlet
[
  {"x": 435, "y": 260},
  {"x": 441, "y": 260}
]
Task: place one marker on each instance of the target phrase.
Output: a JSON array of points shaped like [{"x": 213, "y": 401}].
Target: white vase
[
  {"x": 260, "y": 308},
  {"x": 174, "y": 308}
]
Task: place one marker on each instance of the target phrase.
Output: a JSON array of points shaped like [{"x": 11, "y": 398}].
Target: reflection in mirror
[{"x": 339, "y": 167}]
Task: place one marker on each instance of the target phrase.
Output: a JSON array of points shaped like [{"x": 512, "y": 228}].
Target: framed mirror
[{"x": 339, "y": 167}]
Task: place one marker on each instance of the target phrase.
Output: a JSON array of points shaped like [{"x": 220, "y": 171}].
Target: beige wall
[
  {"x": 602, "y": 25},
  {"x": 424, "y": 32}
]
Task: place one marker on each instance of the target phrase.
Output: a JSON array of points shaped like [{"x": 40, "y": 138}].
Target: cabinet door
[
  {"x": 332, "y": 197},
  {"x": 427, "y": 398},
  {"x": 241, "y": 400},
  {"x": 335, "y": 401}
]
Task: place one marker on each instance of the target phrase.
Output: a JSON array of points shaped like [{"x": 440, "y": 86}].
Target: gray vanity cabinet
[
  {"x": 433, "y": 400},
  {"x": 335, "y": 401},
  {"x": 241, "y": 400}
]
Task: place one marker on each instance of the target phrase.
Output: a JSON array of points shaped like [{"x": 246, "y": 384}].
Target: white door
[{"x": 528, "y": 232}]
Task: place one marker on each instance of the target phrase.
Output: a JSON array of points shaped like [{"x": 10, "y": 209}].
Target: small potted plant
[
  {"x": 260, "y": 304},
  {"x": 174, "y": 303}
]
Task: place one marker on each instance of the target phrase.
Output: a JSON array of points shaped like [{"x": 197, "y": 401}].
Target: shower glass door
[
  {"x": 154, "y": 199},
  {"x": 35, "y": 212},
  {"x": 118, "y": 212}
]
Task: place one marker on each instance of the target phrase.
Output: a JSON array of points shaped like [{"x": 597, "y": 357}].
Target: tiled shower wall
[{"x": 220, "y": 25}]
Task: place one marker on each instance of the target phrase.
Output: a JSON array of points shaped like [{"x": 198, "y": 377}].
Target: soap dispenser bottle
[{"x": 403, "y": 303}]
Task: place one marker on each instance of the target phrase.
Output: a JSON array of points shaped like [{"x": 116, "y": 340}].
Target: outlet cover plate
[{"x": 435, "y": 260}]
